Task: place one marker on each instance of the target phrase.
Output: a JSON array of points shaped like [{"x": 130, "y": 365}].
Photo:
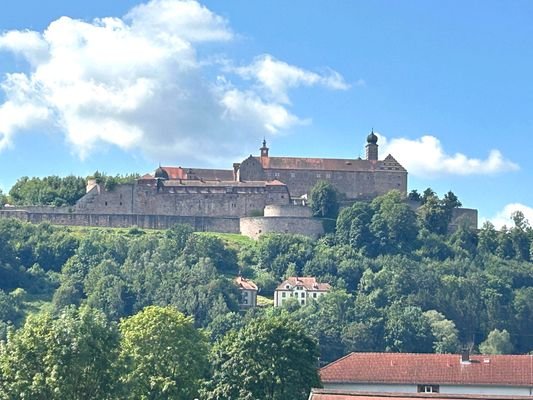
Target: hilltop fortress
[{"x": 258, "y": 195}]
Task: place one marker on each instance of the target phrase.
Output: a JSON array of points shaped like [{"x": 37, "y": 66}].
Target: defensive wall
[
  {"x": 283, "y": 218},
  {"x": 286, "y": 210},
  {"x": 189, "y": 199},
  {"x": 200, "y": 224},
  {"x": 256, "y": 226}
]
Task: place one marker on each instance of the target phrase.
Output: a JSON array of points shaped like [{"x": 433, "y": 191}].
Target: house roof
[
  {"x": 198, "y": 173},
  {"x": 410, "y": 368},
  {"x": 245, "y": 284},
  {"x": 329, "y": 164},
  {"x": 309, "y": 283},
  {"x": 208, "y": 183},
  {"x": 329, "y": 394}
]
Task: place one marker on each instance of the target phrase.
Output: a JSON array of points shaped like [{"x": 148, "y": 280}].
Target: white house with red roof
[
  {"x": 302, "y": 289},
  {"x": 248, "y": 292},
  {"x": 507, "y": 375},
  {"x": 332, "y": 394}
]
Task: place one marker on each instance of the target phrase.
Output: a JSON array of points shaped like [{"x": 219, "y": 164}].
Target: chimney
[
  {"x": 465, "y": 356},
  {"x": 236, "y": 175}
]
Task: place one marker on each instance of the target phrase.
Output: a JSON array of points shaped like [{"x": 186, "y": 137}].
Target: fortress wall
[
  {"x": 277, "y": 210},
  {"x": 116, "y": 201},
  {"x": 256, "y": 226},
  {"x": 211, "y": 224},
  {"x": 43, "y": 209},
  {"x": 463, "y": 215},
  {"x": 189, "y": 201},
  {"x": 387, "y": 181},
  {"x": 199, "y": 204},
  {"x": 354, "y": 184}
]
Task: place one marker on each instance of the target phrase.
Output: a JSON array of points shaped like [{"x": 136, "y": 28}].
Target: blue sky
[{"x": 122, "y": 86}]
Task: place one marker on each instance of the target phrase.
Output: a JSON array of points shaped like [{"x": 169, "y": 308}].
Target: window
[
  {"x": 106, "y": 203},
  {"x": 318, "y": 175},
  {"x": 314, "y": 295},
  {"x": 293, "y": 175},
  {"x": 276, "y": 174},
  {"x": 303, "y": 294},
  {"x": 303, "y": 302},
  {"x": 428, "y": 388},
  {"x": 328, "y": 176},
  {"x": 283, "y": 294}
]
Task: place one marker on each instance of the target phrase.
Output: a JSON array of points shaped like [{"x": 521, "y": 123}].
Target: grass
[
  {"x": 232, "y": 240},
  {"x": 263, "y": 301}
]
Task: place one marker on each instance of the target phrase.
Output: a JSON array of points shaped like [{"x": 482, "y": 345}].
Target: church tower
[
  {"x": 372, "y": 147},
  {"x": 264, "y": 149}
]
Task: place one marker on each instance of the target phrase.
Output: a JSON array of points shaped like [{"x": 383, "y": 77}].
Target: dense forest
[{"x": 156, "y": 313}]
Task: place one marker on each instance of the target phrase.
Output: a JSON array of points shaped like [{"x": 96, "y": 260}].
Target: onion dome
[
  {"x": 372, "y": 138},
  {"x": 160, "y": 173}
]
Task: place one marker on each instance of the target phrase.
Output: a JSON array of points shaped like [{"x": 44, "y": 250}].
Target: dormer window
[{"x": 428, "y": 388}]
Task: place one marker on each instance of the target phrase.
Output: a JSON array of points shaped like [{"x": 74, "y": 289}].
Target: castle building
[
  {"x": 256, "y": 182},
  {"x": 354, "y": 178},
  {"x": 257, "y": 196}
]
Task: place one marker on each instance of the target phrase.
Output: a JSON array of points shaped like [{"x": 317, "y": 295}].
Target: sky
[{"x": 124, "y": 86}]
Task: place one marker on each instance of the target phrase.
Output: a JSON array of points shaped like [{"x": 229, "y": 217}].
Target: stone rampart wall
[
  {"x": 182, "y": 201},
  {"x": 466, "y": 216},
  {"x": 201, "y": 224},
  {"x": 277, "y": 210},
  {"x": 256, "y": 226}
]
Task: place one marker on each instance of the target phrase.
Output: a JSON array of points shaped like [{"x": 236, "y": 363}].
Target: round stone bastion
[{"x": 282, "y": 219}]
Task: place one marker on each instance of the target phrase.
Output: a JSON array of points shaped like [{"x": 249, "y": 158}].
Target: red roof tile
[
  {"x": 199, "y": 173},
  {"x": 411, "y": 368},
  {"x": 327, "y": 394},
  {"x": 329, "y": 164},
  {"x": 309, "y": 283},
  {"x": 244, "y": 283}
]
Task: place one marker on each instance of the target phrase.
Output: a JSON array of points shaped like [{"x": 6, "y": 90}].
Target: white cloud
[
  {"x": 138, "y": 82},
  {"x": 425, "y": 157},
  {"x": 503, "y": 217},
  {"x": 276, "y": 77}
]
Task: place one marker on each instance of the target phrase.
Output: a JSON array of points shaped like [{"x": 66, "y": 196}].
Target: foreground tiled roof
[
  {"x": 244, "y": 283},
  {"x": 412, "y": 368},
  {"x": 309, "y": 283},
  {"x": 325, "y": 394}
]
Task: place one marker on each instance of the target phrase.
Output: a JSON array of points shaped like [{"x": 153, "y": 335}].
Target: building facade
[
  {"x": 248, "y": 291},
  {"x": 452, "y": 374},
  {"x": 303, "y": 289}
]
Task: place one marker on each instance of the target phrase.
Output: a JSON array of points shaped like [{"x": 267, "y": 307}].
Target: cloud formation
[
  {"x": 503, "y": 217},
  {"x": 425, "y": 157},
  {"x": 138, "y": 82}
]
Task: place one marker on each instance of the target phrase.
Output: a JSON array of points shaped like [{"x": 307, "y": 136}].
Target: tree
[
  {"x": 164, "y": 356},
  {"x": 72, "y": 356},
  {"x": 498, "y": 342},
  {"x": 394, "y": 224},
  {"x": 3, "y": 199},
  {"x": 270, "y": 358},
  {"x": 323, "y": 199},
  {"x": 407, "y": 330},
  {"x": 353, "y": 227},
  {"x": 444, "y": 332}
]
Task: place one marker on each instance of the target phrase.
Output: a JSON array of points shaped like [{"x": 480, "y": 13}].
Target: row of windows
[{"x": 284, "y": 294}]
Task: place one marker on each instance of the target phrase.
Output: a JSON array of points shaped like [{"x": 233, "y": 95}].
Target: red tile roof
[
  {"x": 329, "y": 164},
  {"x": 408, "y": 368},
  {"x": 245, "y": 284},
  {"x": 328, "y": 394},
  {"x": 309, "y": 283},
  {"x": 198, "y": 173}
]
